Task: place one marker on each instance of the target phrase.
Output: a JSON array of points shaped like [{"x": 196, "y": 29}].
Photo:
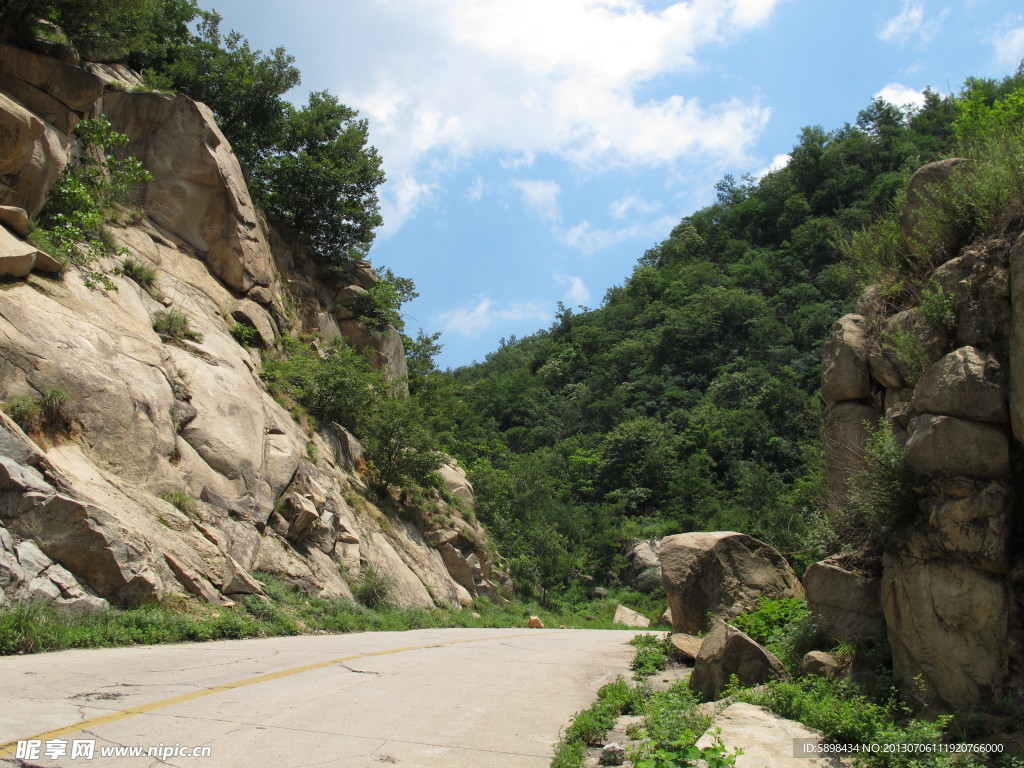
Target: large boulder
[
  {"x": 198, "y": 192},
  {"x": 727, "y": 651},
  {"x": 844, "y": 361},
  {"x": 846, "y": 606},
  {"x": 385, "y": 347},
  {"x": 945, "y": 446},
  {"x": 965, "y": 521},
  {"x": 56, "y": 91},
  {"x": 966, "y": 383},
  {"x": 32, "y": 155},
  {"x": 722, "y": 574},
  {"x": 947, "y": 626}
]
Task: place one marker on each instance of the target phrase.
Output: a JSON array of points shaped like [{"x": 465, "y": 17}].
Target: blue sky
[{"x": 536, "y": 148}]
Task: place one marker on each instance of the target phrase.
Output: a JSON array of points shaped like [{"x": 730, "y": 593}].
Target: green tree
[{"x": 322, "y": 179}]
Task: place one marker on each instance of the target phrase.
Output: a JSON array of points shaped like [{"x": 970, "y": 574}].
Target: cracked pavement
[{"x": 486, "y": 698}]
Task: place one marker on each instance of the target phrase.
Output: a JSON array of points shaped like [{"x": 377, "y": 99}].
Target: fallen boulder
[
  {"x": 727, "y": 651},
  {"x": 631, "y": 618},
  {"x": 722, "y": 574}
]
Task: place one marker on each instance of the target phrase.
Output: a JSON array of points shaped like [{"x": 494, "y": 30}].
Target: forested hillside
[{"x": 690, "y": 399}]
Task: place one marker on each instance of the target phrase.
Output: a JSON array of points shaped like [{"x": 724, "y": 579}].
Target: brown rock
[
  {"x": 822, "y": 664},
  {"x": 15, "y": 219},
  {"x": 631, "y": 618},
  {"x": 198, "y": 192},
  {"x": 970, "y": 523},
  {"x": 966, "y": 383},
  {"x": 846, "y": 434},
  {"x": 948, "y": 627},
  {"x": 722, "y": 573},
  {"x": 844, "y": 361},
  {"x": 688, "y": 646},
  {"x": 727, "y": 651},
  {"x": 72, "y": 86},
  {"x": 388, "y": 353},
  {"x": 32, "y": 156},
  {"x": 846, "y": 606},
  {"x": 534, "y": 622},
  {"x": 944, "y": 446}
]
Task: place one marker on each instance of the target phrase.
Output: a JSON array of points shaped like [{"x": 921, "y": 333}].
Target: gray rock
[{"x": 644, "y": 567}]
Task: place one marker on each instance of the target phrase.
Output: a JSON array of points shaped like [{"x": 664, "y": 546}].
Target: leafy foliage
[
  {"x": 82, "y": 200},
  {"x": 322, "y": 179}
]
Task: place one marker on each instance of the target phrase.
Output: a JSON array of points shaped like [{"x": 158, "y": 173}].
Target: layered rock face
[
  {"x": 82, "y": 515},
  {"x": 951, "y": 577}
]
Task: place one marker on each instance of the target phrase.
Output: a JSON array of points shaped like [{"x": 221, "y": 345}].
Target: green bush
[
  {"x": 182, "y": 501},
  {"x": 883, "y": 492},
  {"x": 375, "y": 589},
  {"x": 139, "y": 272},
  {"x": 79, "y": 204},
  {"x": 652, "y": 653},
  {"x": 26, "y": 411},
  {"x": 175, "y": 324},
  {"x": 55, "y": 405},
  {"x": 244, "y": 334}
]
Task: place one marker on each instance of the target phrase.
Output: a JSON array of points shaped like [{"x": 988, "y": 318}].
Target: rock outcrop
[
  {"x": 720, "y": 574},
  {"x": 951, "y": 574},
  {"x": 83, "y": 515}
]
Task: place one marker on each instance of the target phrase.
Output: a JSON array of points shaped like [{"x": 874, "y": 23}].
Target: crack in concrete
[{"x": 360, "y": 671}]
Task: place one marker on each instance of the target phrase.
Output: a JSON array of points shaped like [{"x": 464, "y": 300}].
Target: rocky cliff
[
  {"x": 947, "y": 591},
  {"x": 83, "y": 518}
]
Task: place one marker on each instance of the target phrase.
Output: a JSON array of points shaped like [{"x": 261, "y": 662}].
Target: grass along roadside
[{"x": 34, "y": 627}]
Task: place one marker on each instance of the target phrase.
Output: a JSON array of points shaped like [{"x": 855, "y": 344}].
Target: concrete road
[{"x": 473, "y": 698}]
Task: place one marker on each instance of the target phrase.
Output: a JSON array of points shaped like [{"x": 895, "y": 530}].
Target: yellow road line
[{"x": 10, "y": 747}]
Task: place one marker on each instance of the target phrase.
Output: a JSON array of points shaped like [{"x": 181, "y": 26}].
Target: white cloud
[
  {"x": 1009, "y": 43},
  {"x": 578, "y": 292},
  {"x": 541, "y": 197},
  {"x": 910, "y": 24},
  {"x": 589, "y": 239},
  {"x": 778, "y": 163},
  {"x": 474, "y": 318},
  {"x": 476, "y": 189},
  {"x": 622, "y": 207},
  {"x": 901, "y": 95},
  {"x": 399, "y": 198},
  {"x": 525, "y": 78}
]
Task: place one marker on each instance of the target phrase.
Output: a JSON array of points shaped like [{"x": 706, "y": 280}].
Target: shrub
[
  {"x": 908, "y": 351},
  {"x": 375, "y": 589},
  {"x": 139, "y": 272},
  {"x": 55, "y": 405},
  {"x": 651, "y": 654},
  {"x": 243, "y": 334},
  {"x": 182, "y": 501},
  {"x": 82, "y": 200},
  {"x": 26, "y": 412},
  {"x": 883, "y": 492},
  {"x": 174, "y": 324},
  {"x": 938, "y": 308}
]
